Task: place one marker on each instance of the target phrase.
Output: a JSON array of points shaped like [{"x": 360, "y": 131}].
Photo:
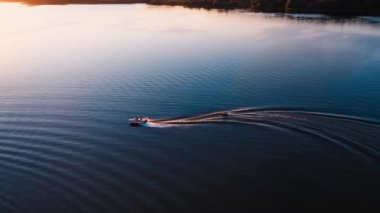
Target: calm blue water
[{"x": 71, "y": 77}]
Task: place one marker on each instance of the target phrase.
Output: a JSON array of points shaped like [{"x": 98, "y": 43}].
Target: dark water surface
[{"x": 71, "y": 77}]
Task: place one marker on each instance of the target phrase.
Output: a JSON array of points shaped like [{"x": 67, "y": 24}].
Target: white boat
[{"x": 138, "y": 121}]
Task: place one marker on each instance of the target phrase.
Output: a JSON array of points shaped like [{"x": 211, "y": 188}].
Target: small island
[{"x": 330, "y": 7}]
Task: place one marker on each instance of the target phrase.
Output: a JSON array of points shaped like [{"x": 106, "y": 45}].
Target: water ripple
[{"x": 355, "y": 134}]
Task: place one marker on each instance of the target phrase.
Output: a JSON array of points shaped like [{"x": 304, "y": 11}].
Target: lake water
[{"x": 72, "y": 75}]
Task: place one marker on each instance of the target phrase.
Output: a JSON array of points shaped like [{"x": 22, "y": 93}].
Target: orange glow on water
[
  {"x": 33, "y": 35},
  {"x": 46, "y": 36}
]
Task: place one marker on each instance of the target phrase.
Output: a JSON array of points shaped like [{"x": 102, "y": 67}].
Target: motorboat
[{"x": 138, "y": 121}]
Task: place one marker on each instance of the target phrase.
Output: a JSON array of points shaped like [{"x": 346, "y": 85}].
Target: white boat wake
[{"x": 356, "y": 134}]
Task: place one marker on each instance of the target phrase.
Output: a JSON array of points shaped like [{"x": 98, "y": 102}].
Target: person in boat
[{"x": 224, "y": 114}]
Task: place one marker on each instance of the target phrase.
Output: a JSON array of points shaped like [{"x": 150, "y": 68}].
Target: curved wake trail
[{"x": 357, "y": 135}]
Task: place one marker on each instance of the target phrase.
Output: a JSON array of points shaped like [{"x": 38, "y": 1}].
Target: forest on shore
[{"x": 333, "y": 7}]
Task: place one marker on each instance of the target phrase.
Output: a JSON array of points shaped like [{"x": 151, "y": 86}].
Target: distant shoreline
[
  {"x": 331, "y": 7},
  {"x": 334, "y": 7}
]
